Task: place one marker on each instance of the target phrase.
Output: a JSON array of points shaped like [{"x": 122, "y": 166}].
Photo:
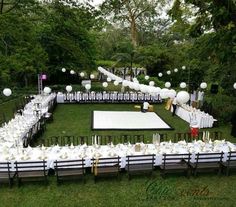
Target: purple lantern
[{"x": 43, "y": 77}]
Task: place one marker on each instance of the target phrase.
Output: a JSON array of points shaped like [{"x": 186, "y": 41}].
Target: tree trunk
[{"x": 133, "y": 32}]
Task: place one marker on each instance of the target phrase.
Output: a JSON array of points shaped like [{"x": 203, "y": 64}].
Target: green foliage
[{"x": 222, "y": 107}]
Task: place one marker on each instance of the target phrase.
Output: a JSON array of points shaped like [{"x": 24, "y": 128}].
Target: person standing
[
  {"x": 174, "y": 105},
  {"x": 145, "y": 106}
]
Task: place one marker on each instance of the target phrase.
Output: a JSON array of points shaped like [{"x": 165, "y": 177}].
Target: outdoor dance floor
[{"x": 127, "y": 120}]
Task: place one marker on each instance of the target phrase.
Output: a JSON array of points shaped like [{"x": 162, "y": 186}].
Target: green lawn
[
  {"x": 176, "y": 190},
  {"x": 75, "y": 119}
]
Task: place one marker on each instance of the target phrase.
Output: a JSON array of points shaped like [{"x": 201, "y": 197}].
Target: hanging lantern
[
  {"x": 182, "y": 85},
  {"x": 7, "y": 92},
  {"x": 183, "y": 97},
  {"x": 68, "y": 88},
  {"x": 203, "y": 85},
  {"x": 104, "y": 84},
  {"x": 167, "y": 84},
  {"x": 151, "y": 83},
  {"x": 47, "y": 90},
  {"x": 146, "y": 77}
]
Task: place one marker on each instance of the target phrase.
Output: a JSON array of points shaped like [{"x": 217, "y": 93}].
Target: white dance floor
[{"x": 127, "y": 120}]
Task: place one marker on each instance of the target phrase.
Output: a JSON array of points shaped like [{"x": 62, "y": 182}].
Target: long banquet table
[{"x": 53, "y": 153}]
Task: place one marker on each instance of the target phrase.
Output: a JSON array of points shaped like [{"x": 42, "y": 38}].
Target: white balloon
[
  {"x": 151, "y": 83},
  {"x": 136, "y": 87},
  {"x": 108, "y": 79},
  {"x": 72, "y": 72},
  {"x": 182, "y": 97},
  {"x": 183, "y": 67},
  {"x": 88, "y": 86},
  {"x": 160, "y": 74},
  {"x": 104, "y": 84},
  {"x": 116, "y": 83},
  {"x": 63, "y": 70},
  {"x": 234, "y": 85},
  {"x": 176, "y": 70},
  {"x": 69, "y": 88},
  {"x": 47, "y": 90},
  {"x": 164, "y": 93},
  {"x": 203, "y": 85},
  {"x": 146, "y": 77},
  {"x": 157, "y": 90},
  {"x": 7, "y": 92},
  {"x": 168, "y": 72},
  {"x": 172, "y": 93},
  {"x": 92, "y": 76},
  {"x": 167, "y": 84},
  {"x": 125, "y": 83},
  {"x": 81, "y": 74},
  {"x": 182, "y": 85}
]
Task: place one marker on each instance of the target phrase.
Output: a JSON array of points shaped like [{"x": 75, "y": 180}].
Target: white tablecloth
[
  {"x": 203, "y": 119},
  {"x": 51, "y": 154}
]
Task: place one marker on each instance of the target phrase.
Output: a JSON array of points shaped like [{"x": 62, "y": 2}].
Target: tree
[
  {"x": 67, "y": 39},
  {"x": 130, "y": 11},
  {"x": 214, "y": 29}
]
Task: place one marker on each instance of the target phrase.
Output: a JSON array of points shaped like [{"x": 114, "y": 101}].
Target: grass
[
  {"x": 75, "y": 119},
  {"x": 176, "y": 190}
]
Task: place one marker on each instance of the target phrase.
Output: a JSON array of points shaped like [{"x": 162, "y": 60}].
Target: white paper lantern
[
  {"x": 119, "y": 80},
  {"x": 125, "y": 83},
  {"x": 104, "y": 84},
  {"x": 92, "y": 76},
  {"x": 88, "y": 86},
  {"x": 183, "y": 67},
  {"x": 182, "y": 97},
  {"x": 157, "y": 90},
  {"x": 136, "y": 87},
  {"x": 203, "y": 85},
  {"x": 72, "y": 72},
  {"x": 234, "y": 85},
  {"x": 81, "y": 74},
  {"x": 164, "y": 93},
  {"x": 176, "y": 70},
  {"x": 108, "y": 79},
  {"x": 182, "y": 85},
  {"x": 168, "y": 72},
  {"x": 151, "y": 83},
  {"x": 160, "y": 74},
  {"x": 116, "y": 83},
  {"x": 63, "y": 70},
  {"x": 144, "y": 89},
  {"x": 167, "y": 84},
  {"x": 172, "y": 93},
  {"x": 7, "y": 92},
  {"x": 69, "y": 88},
  {"x": 146, "y": 77},
  {"x": 47, "y": 90}
]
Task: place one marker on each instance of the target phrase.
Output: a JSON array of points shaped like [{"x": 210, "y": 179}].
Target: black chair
[
  {"x": 31, "y": 171},
  {"x": 6, "y": 175},
  {"x": 106, "y": 167},
  {"x": 139, "y": 164},
  {"x": 137, "y": 138},
  {"x": 125, "y": 138},
  {"x": 175, "y": 163},
  {"x": 70, "y": 169},
  {"x": 82, "y": 140},
  {"x": 207, "y": 162},
  {"x": 230, "y": 163}
]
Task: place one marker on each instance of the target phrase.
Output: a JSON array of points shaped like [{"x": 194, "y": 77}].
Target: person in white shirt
[{"x": 145, "y": 106}]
